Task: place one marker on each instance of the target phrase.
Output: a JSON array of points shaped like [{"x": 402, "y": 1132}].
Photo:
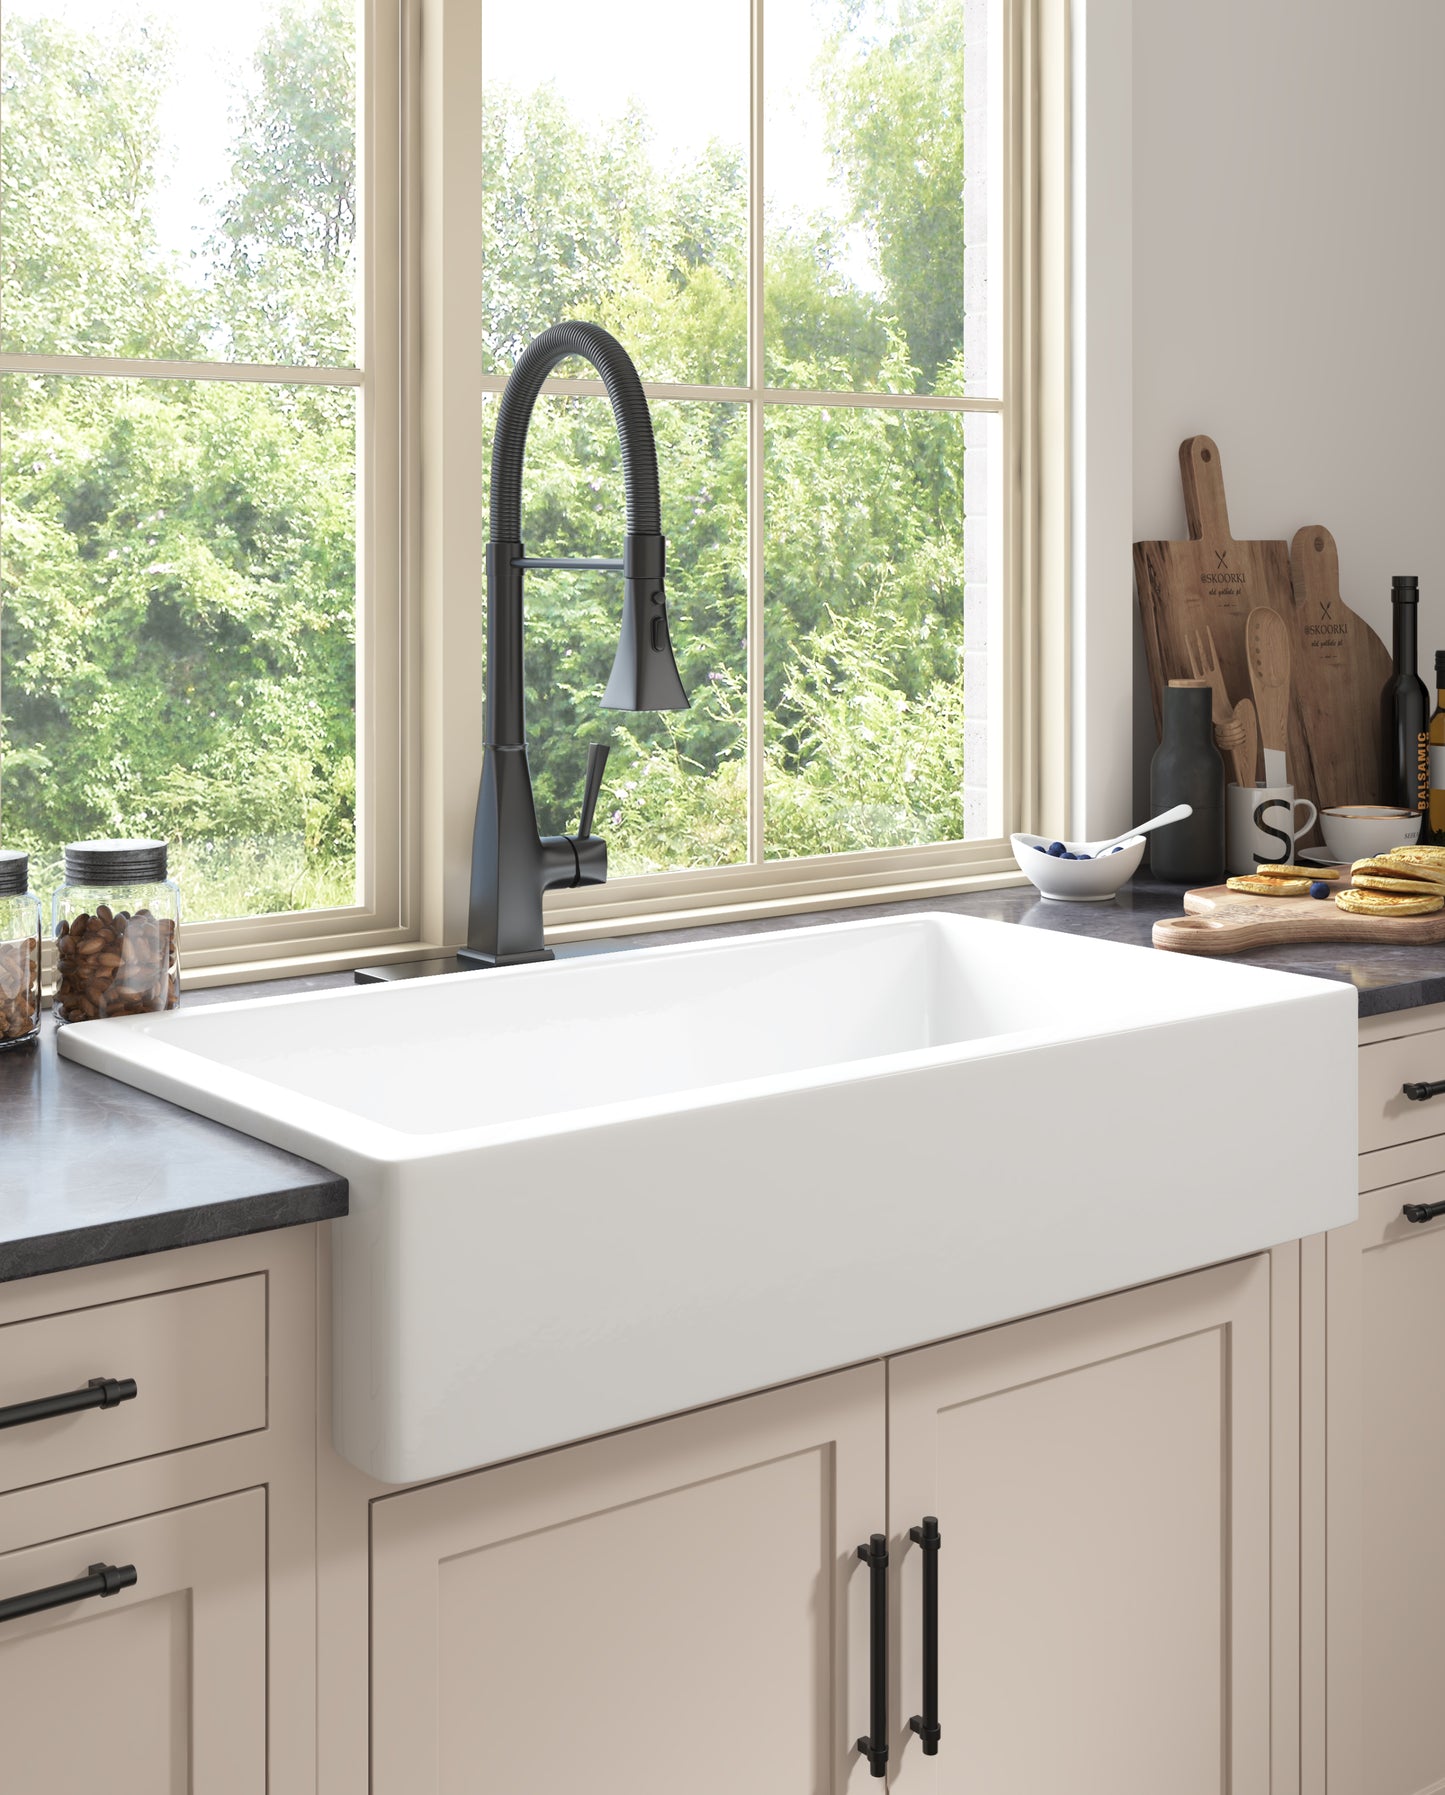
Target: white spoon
[{"x": 1179, "y": 812}]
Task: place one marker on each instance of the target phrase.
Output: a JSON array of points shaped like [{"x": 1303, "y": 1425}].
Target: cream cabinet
[
  {"x": 158, "y": 1525},
  {"x": 684, "y": 1606},
  {"x": 1382, "y": 1554},
  {"x": 674, "y": 1608},
  {"x": 157, "y": 1687},
  {"x": 1101, "y": 1480}
]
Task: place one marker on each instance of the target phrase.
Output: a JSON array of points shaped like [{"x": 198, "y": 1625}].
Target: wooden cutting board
[
  {"x": 1221, "y": 921},
  {"x": 1211, "y": 582},
  {"x": 1339, "y": 668},
  {"x": 1338, "y": 664}
]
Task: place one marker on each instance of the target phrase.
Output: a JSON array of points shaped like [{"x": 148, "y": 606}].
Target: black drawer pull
[
  {"x": 926, "y": 1724},
  {"x": 1422, "y": 1212},
  {"x": 99, "y": 1393},
  {"x": 874, "y": 1743},
  {"x": 1421, "y": 1093},
  {"x": 100, "y": 1580}
]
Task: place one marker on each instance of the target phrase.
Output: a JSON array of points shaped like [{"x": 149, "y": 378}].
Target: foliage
[{"x": 177, "y": 612}]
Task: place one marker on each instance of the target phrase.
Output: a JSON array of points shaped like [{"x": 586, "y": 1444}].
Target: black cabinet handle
[
  {"x": 874, "y": 1743},
  {"x": 99, "y": 1393},
  {"x": 1421, "y": 1093},
  {"x": 1422, "y": 1212},
  {"x": 100, "y": 1580},
  {"x": 930, "y": 1540}
]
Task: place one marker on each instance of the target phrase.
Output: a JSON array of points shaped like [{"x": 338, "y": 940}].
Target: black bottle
[
  {"x": 1406, "y": 708},
  {"x": 1187, "y": 769}
]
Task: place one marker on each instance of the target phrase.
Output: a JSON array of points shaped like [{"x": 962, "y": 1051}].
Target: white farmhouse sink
[{"x": 593, "y": 1192}]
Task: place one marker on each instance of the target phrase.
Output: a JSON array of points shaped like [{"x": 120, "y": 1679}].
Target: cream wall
[{"x": 1288, "y": 277}]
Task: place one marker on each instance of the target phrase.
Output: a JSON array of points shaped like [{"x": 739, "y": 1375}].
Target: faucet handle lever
[{"x": 592, "y": 787}]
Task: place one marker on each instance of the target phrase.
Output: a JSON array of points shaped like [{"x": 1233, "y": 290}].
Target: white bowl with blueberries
[{"x": 1087, "y": 872}]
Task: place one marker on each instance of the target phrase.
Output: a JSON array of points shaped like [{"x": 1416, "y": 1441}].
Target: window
[
  {"x": 795, "y": 216},
  {"x": 195, "y": 530},
  {"x": 264, "y": 268}
]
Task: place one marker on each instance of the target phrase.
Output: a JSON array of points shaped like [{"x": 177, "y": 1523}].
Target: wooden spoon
[{"x": 1266, "y": 640}]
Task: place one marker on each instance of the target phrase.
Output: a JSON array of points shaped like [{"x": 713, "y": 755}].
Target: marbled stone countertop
[{"x": 92, "y": 1170}]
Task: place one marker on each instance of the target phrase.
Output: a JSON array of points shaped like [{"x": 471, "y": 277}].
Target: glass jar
[
  {"x": 116, "y": 919},
  {"x": 19, "y": 952}
]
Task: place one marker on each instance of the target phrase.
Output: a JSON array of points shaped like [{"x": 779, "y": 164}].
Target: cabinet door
[
  {"x": 677, "y": 1608},
  {"x": 1101, "y": 1481},
  {"x": 159, "y": 1689},
  {"x": 1386, "y": 1553}
]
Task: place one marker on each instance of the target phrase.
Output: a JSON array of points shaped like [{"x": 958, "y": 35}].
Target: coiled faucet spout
[{"x": 512, "y": 864}]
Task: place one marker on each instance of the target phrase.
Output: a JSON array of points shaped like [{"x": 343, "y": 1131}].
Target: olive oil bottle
[{"x": 1436, "y": 818}]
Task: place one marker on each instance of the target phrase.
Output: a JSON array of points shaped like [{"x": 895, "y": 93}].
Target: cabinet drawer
[
  {"x": 1387, "y": 1116},
  {"x": 197, "y": 1357},
  {"x": 156, "y": 1689}
]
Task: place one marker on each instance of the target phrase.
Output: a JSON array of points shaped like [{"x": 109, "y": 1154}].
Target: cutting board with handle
[
  {"x": 1338, "y": 669},
  {"x": 1221, "y": 921},
  {"x": 1209, "y": 583}
]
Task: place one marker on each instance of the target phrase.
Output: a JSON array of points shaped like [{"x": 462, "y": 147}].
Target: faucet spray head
[{"x": 644, "y": 674}]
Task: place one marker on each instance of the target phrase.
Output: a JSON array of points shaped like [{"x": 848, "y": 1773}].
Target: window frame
[
  {"x": 1032, "y": 739},
  {"x": 422, "y": 440},
  {"x": 381, "y": 921}
]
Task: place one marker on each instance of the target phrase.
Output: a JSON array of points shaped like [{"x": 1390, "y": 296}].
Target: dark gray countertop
[{"x": 92, "y": 1170}]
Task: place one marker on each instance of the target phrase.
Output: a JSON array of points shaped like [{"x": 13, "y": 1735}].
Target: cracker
[
  {"x": 1279, "y": 870},
  {"x": 1280, "y": 888},
  {"x": 1384, "y": 903}
]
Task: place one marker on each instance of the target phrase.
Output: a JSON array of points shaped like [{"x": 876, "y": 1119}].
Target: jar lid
[
  {"x": 14, "y": 872},
  {"x": 115, "y": 862}
]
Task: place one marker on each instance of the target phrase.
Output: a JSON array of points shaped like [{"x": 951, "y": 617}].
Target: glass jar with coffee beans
[
  {"x": 19, "y": 952},
  {"x": 115, "y": 920}
]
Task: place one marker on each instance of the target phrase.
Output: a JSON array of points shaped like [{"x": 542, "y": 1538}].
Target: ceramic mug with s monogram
[{"x": 1262, "y": 825}]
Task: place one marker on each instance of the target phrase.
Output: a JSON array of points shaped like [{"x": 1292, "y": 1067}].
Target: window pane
[
  {"x": 676, "y": 789},
  {"x": 177, "y": 632},
  {"x": 876, "y": 730},
  {"x": 616, "y": 180},
  {"x": 179, "y": 179},
  {"x": 879, "y": 131}
]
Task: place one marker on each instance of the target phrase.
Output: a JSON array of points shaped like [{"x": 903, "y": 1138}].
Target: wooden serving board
[
  {"x": 1338, "y": 665},
  {"x": 1338, "y": 669},
  {"x": 1221, "y": 921}
]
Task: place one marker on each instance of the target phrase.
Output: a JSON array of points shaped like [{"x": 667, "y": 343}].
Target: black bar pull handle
[
  {"x": 930, "y": 1540},
  {"x": 874, "y": 1743},
  {"x": 100, "y": 1580},
  {"x": 1422, "y": 1212},
  {"x": 99, "y": 1393},
  {"x": 1421, "y": 1093}
]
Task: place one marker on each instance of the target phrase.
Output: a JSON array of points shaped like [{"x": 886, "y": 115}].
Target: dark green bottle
[{"x": 1187, "y": 769}]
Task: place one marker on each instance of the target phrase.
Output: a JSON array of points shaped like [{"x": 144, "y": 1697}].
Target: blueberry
[
  {"x": 1118, "y": 850},
  {"x": 1083, "y": 856},
  {"x": 1320, "y": 889},
  {"x": 1057, "y": 849},
  {"x": 1039, "y": 848}
]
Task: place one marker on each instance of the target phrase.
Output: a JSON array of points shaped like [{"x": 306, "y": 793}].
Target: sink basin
[{"x": 590, "y": 1193}]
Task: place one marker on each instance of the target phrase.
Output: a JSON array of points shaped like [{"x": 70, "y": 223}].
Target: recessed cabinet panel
[
  {"x": 159, "y": 1689},
  {"x": 1101, "y": 1481},
  {"x": 197, "y": 1357},
  {"x": 675, "y": 1608},
  {"x": 1402, "y": 1308}
]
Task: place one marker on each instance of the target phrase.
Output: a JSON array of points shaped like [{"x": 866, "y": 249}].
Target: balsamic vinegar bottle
[
  {"x": 1187, "y": 769},
  {"x": 1435, "y": 821},
  {"x": 1406, "y": 707}
]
